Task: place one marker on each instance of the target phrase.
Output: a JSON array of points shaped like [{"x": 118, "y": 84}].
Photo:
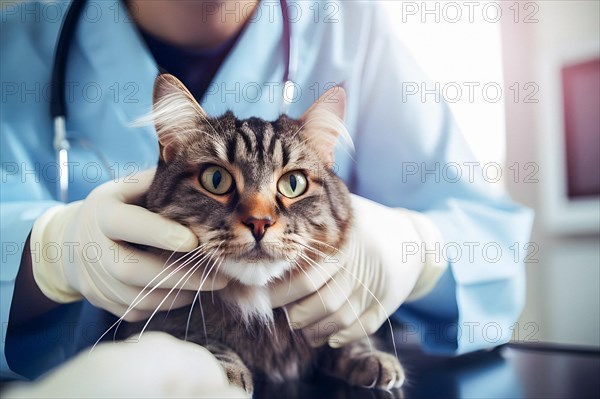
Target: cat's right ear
[
  {"x": 175, "y": 112},
  {"x": 323, "y": 123}
]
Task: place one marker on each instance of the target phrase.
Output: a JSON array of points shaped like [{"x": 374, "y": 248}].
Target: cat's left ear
[
  {"x": 175, "y": 112},
  {"x": 323, "y": 122}
]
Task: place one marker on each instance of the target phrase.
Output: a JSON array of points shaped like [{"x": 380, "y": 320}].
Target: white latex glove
[
  {"x": 80, "y": 250},
  {"x": 382, "y": 265},
  {"x": 158, "y": 366}
]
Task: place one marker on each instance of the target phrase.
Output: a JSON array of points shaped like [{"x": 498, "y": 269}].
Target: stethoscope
[{"x": 58, "y": 104}]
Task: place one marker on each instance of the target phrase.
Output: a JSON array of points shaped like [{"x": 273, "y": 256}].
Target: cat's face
[{"x": 260, "y": 196}]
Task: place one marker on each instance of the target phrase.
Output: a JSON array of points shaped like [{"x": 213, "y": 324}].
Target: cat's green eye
[
  {"x": 216, "y": 180},
  {"x": 292, "y": 184}
]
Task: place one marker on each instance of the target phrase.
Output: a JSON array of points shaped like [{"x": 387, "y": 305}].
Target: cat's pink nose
[{"x": 258, "y": 226}]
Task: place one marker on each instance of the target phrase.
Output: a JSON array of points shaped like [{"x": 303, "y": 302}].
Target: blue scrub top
[{"x": 403, "y": 146}]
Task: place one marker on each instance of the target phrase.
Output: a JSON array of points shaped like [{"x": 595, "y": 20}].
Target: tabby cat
[{"x": 260, "y": 196}]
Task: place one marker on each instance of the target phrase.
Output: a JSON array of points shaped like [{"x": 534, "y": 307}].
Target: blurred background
[{"x": 523, "y": 80}]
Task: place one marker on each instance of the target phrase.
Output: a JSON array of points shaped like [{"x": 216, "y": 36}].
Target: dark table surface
[{"x": 511, "y": 371}]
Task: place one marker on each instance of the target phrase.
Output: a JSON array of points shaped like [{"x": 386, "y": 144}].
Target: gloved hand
[
  {"x": 391, "y": 256},
  {"x": 158, "y": 366},
  {"x": 92, "y": 259}
]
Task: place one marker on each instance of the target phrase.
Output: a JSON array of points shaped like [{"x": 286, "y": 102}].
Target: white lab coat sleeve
[
  {"x": 409, "y": 153},
  {"x": 25, "y": 187},
  {"x": 17, "y": 220},
  {"x": 24, "y": 196}
]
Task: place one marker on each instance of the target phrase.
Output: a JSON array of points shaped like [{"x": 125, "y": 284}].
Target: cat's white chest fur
[
  {"x": 254, "y": 273},
  {"x": 252, "y": 302},
  {"x": 251, "y": 297}
]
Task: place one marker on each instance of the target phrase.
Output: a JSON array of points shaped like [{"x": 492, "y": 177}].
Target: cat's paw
[
  {"x": 376, "y": 370},
  {"x": 239, "y": 375}
]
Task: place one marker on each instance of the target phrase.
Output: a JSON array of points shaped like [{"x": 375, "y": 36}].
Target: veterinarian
[{"x": 435, "y": 235}]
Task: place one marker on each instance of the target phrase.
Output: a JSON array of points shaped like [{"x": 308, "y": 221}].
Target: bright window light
[{"x": 458, "y": 46}]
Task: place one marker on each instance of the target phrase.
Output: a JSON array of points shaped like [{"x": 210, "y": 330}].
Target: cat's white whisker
[
  {"x": 188, "y": 273},
  {"x": 136, "y": 301},
  {"x": 312, "y": 282},
  {"x": 312, "y": 262},
  {"x": 163, "y": 301},
  {"x": 197, "y": 296},
  {"x": 196, "y": 252},
  {"x": 199, "y": 247},
  {"x": 326, "y": 244},
  {"x": 290, "y": 280},
  {"x": 212, "y": 291},
  {"x": 205, "y": 274},
  {"x": 366, "y": 288},
  {"x": 193, "y": 253},
  {"x": 201, "y": 310},
  {"x": 165, "y": 269},
  {"x": 196, "y": 266}
]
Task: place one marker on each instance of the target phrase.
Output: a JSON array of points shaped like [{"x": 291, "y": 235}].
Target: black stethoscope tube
[{"x": 58, "y": 105}]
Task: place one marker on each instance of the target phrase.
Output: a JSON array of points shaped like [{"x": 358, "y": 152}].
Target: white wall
[
  {"x": 563, "y": 286},
  {"x": 563, "y": 303}
]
